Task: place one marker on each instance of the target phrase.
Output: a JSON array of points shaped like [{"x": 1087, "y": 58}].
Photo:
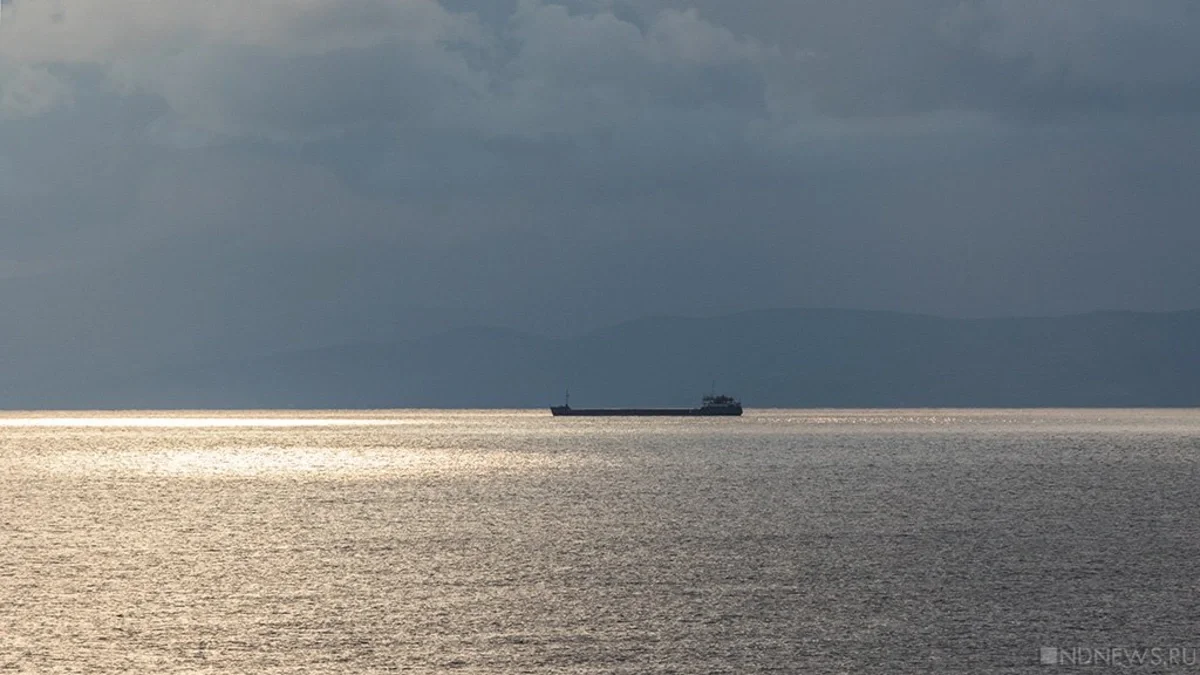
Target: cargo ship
[{"x": 713, "y": 405}]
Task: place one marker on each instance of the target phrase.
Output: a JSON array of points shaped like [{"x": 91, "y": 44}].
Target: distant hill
[{"x": 778, "y": 358}]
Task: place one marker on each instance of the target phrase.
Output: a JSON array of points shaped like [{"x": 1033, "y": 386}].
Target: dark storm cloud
[
  {"x": 1019, "y": 57},
  {"x": 294, "y": 171}
]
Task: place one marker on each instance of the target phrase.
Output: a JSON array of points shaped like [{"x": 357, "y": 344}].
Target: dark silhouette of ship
[{"x": 713, "y": 405}]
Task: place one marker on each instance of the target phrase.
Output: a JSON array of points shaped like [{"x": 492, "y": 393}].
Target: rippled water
[{"x": 514, "y": 542}]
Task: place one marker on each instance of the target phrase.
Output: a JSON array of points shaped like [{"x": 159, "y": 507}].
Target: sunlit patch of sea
[{"x": 904, "y": 541}]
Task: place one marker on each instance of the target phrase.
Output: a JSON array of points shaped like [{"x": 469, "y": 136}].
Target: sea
[{"x": 430, "y": 541}]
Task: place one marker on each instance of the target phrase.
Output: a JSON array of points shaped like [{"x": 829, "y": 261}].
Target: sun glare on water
[
  {"x": 308, "y": 445},
  {"x": 186, "y": 421}
]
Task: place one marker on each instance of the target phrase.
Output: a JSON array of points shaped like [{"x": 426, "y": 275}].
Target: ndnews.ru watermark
[{"x": 1119, "y": 657}]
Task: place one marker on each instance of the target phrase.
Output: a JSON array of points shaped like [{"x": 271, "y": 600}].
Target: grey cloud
[
  {"x": 564, "y": 73},
  {"x": 523, "y": 66},
  {"x": 29, "y": 91},
  {"x": 1022, "y": 58},
  {"x": 1101, "y": 55},
  {"x": 308, "y": 173},
  {"x": 1102, "y": 42},
  {"x": 252, "y": 91}
]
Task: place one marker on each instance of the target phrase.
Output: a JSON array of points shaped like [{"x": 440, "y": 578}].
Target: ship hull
[{"x": 563, "y": 411}]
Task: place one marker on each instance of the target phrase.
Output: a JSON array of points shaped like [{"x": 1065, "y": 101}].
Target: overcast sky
[{"x": 557, "y": 166}]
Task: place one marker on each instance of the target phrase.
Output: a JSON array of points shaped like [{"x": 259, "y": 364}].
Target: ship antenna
[{"x": 568, "y": 401}]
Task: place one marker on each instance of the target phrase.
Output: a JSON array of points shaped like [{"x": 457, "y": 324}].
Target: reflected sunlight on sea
[{"x": 820, "y": 541}]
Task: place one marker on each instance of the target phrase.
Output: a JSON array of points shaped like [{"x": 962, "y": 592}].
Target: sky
[{"x": 181, "y": 176}]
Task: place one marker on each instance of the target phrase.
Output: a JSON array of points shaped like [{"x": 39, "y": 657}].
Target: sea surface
[{"x": 785, "y": 541}]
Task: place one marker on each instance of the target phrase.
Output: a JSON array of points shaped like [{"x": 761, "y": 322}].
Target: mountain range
[{"x": 769, "y": 358}]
